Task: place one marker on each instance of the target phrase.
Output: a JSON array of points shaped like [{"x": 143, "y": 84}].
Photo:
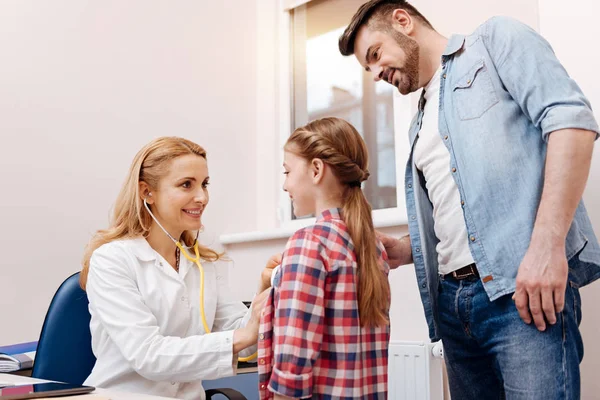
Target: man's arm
[
  {"x": 542, "y": 277},
  {"x": 537, "y": 81},
  {"x": 398, "y": 250}
]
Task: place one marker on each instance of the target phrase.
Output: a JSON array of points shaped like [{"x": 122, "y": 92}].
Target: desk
[{"x": 112, "y": 394}]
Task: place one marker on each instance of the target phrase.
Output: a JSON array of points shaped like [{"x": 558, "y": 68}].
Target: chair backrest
[{"x": 64, "y": 351}]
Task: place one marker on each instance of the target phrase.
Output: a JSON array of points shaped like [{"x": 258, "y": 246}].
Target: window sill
[{"x": 285, "y": 232}]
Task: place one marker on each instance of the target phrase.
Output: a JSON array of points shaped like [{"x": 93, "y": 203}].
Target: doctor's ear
[{"x": 145, "y": 193}]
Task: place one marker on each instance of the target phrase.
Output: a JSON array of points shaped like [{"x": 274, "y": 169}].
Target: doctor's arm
[
  {"x": 228, "y": 310},
  {"x": 116, "y": 301}
]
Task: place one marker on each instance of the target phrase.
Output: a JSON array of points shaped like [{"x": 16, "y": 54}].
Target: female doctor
[{"x": 161, "y": 317}]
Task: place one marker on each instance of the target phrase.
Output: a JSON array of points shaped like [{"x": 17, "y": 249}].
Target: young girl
[
  {"x": 325, "y": 330},
  {"x": 162, "y": 322}
]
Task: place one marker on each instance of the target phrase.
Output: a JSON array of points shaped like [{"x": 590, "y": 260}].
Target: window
[{"x": 325, "y": 83}]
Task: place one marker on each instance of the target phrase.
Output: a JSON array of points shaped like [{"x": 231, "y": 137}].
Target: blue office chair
[{"x": 64, "y": 351}]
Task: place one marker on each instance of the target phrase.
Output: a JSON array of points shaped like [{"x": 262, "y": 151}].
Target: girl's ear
[{"x": 317, "y": 167}]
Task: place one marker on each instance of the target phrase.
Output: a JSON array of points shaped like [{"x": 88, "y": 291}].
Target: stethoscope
[{"x": 195, "y": 260}]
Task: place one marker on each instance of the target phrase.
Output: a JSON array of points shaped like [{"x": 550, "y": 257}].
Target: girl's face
[
  {"x": 182, "y": 195},
  {"x": 299, "y": 183}
]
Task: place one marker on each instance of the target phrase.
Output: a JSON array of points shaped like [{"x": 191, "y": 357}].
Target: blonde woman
[
  {"x": 325, "y": 328},
  {"x": 150, "y": 332}
]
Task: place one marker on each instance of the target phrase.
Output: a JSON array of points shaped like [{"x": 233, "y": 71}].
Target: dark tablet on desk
[{"x": 37, "y": 390}]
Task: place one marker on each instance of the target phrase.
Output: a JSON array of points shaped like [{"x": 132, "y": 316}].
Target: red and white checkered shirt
[{"x": 311, "y": 343}]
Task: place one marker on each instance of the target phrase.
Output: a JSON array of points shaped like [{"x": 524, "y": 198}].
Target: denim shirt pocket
[{"x": 474, "y": 92}]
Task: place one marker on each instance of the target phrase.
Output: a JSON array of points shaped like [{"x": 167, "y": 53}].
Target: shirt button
[
  {"x": 453, "y": 169},
  {"x": 262, "y": 361},
  {"x": 424, "y": 285},
  {"x": 409, "y": 185},
  {"x": 444, "y": 76},
  {"x": 261, "y": 336},
  {"x": 462, "y": 203},
  {"x": 413, "y": 217},
  {"x": 472, "y": 238},
  {"x": 263, "y": 386},
  {"x": 418, "y": 250},
  {"x": 446, "y": 137},
  {"x": 468, "y": 82}
]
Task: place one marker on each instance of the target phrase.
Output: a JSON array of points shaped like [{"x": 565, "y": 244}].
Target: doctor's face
[{"x": 182, "y": 194}]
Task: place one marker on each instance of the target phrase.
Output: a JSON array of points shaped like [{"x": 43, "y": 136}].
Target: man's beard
[{"x": 410, "y": 70}]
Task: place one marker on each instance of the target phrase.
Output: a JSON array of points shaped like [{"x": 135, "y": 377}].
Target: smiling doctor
[{"x": 161, "y": 319}]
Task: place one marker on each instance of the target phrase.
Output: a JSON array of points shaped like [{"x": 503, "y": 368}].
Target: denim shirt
[{"x": 502, "y": 92}]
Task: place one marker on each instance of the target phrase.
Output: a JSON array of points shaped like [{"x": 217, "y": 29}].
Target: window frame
[{"x": 403, "y": 107}]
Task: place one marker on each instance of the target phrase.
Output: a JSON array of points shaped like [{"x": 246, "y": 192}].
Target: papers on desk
[
  {"x": 16, "y": 362},
  {"x": 18, "y": 356}
]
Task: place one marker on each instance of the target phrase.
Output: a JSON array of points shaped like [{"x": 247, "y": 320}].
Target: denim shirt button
[
  {"x": 409, "y": 185},
  {"x": 472, "y": 238},
  {"x": 453, "y": 169},
  {"x": 424, "y": 285},
  {"x": 418, "y": 249},
  {"x": 413, "y": 217}
]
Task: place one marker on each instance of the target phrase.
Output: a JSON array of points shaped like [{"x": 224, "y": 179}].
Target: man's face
[{"x": 389, "y": 55}]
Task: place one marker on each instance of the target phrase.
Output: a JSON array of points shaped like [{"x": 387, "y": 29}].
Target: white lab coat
[{"x": 147, "y": 333}]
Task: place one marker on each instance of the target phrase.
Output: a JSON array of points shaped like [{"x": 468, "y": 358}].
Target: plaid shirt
[{"x": 311, "y": 343}]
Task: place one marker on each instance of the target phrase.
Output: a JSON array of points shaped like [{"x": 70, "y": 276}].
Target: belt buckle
[{"x": 470, "y": 273}]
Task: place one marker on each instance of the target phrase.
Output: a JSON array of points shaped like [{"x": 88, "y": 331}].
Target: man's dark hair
[{"x": 375, "y": 11}]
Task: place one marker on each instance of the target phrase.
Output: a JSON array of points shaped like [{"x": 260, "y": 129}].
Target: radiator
[{"x": 415, "y": 371}]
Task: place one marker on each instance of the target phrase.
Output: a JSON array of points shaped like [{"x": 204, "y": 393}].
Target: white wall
[{"x": 83, "y": 86}]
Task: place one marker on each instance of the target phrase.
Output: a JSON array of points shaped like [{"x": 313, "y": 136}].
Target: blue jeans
[{"x": 492, "y": 354}]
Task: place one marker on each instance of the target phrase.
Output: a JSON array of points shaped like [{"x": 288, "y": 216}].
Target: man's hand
[
  {"x": 398, "y": 250},
  {"x": 541, "y": 284},
  {"x": 265, "y": 275}
]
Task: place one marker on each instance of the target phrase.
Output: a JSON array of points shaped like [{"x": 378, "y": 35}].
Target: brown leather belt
[{"x": 465, "y": 272}]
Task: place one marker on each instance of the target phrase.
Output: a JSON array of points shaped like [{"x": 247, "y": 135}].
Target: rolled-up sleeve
[
  {"x": 536, "y": 79},
  {"x": 299, "y": 317}
]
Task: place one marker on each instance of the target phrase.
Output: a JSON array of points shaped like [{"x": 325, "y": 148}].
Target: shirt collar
[
  {"x": 142, "y": 249},
  {"x": 329, "y": 214},
  {"x": 455, "y": 43}
]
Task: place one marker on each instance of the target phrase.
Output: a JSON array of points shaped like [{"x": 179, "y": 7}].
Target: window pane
[{"x": 325, "y": 83}]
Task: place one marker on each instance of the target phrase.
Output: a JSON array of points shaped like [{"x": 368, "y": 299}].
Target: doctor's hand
[
  {"x": 248, "y": 335},
  {"x": 265, "y": 276},
  {"x": 541, "y": 284},
  {"x": 398, "y": 250},
  {"x": 257, "y": 307}
]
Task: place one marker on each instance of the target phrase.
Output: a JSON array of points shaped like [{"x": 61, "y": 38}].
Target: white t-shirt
[{"x": 433, "y": 159}]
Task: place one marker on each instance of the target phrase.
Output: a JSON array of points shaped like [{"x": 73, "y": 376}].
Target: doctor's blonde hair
[
  {"x": 130, "y": 218},
  {"x": 338, "y": 144}
]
